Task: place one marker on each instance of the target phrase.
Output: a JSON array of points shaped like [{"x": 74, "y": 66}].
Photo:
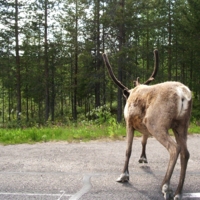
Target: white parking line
[
  {"x": 35, "y": 194},
  {"x": 86, "y": 187},
  {"x": 191, "y": 195}
]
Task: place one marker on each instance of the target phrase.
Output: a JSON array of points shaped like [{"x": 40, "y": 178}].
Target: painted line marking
[
  {"x": 157, "y": 172},
  {"x": 191, "y": 195},
  {"x": 36, "y": 194},
  {"x": 76, "y": 196},
  {"x": 63, "y": 193},
  {"x": 86, "y": 187}
]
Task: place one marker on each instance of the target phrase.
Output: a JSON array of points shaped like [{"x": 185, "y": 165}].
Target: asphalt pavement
[{"x": 88, "y": 171}]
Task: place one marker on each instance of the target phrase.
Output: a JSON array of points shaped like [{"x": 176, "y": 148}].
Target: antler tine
[
  {"x": 113, "y": 77},
  {"x": 151, "y": 78}
]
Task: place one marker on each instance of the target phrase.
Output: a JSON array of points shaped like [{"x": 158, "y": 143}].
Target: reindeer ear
[
  {"x": 126, "y": 93},
  {"x": 136, "y": 83}
]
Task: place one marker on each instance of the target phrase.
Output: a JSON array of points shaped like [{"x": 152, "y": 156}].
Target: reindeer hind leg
[
  {"x": 143, "y": 157},
  {"x": 174, "y": 149},
  {"x": 180, "y": 133}
]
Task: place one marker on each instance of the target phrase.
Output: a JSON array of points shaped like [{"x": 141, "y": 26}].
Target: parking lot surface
[{"x": 88, "y": 171}]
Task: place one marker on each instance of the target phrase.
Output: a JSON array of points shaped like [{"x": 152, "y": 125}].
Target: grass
[
  {"x": 194, "y": 129},
  {"x": 61, "y": 133},
  {"x": 71, "y": 133}
]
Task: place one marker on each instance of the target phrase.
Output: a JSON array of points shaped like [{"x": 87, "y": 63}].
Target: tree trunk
[
  {"x": 121, "y": 60},
  {"x": 169, "y": 42},
  {"x": 104, "y": 69},
  {"x": 46, "y": 66},
  {"x": 18, "y": 69},
  {"x": 74, "y": 103},
  {"x": 53, "y": 93},
  {"x": 27, "y": 107},
  {"x": 97, "y": 83}
]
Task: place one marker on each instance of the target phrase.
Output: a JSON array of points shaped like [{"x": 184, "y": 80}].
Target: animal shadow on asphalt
[
  {"x": 147, "y": 169},
  {"x": 142, "y": 192}
]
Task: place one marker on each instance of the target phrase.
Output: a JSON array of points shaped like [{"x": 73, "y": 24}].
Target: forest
[{"x": 51, "y": 63}]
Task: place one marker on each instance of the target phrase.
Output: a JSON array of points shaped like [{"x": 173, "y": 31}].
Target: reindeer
[{"x": 153, "y": 110}]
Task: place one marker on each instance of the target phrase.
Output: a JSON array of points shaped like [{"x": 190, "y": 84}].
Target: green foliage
[
  {"x": 127, "y": 31},
  {"x": 100, "y": 114},
  {"x": 195, "y": 118},
  {"x": 73, "y": 133},
  {"x": 114, "y": 128},
  {"x": 194, "y": 128}
]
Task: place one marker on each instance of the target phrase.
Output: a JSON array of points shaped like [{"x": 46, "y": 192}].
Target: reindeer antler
[
  {"x": 151, "y": 78},
  {"x": 117, "y": 82}
]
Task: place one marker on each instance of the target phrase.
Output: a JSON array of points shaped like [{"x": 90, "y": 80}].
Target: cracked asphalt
[{"x": 88, "y": 171}]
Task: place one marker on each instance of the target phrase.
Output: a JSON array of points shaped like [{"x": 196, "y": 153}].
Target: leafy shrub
[
  {"x": 112, "y": 127},
  {"x": 100, "y": 114},
  {"x": 196, "y": 112}
]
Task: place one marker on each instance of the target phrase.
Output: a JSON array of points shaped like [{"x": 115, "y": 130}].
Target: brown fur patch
[
  {"x": 155, "y": 104},
  {"x": 137, "y": 124}
]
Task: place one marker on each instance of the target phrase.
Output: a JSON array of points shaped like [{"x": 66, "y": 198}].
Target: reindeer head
[{"x": 126, "y": 91}]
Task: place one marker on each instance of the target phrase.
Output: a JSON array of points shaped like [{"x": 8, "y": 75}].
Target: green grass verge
[
  {"x": 194, "y": 129},
  {"x": 68, "y": 133},
  {"x": 54, "y": 133}
]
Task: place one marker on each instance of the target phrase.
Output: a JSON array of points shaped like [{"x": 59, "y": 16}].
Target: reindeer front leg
[{"x": 124, "y": 177}]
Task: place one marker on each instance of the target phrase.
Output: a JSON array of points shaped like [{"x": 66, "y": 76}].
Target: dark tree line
[{"x": 50, "y": 56}]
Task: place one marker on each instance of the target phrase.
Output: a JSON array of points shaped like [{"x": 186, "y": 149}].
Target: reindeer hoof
[
  {"x": 178, "y": 197},
  {"x": 123, "y": 178},
  {"x": 142, "y": 160},
  {"x": 167, "y": 192}
]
